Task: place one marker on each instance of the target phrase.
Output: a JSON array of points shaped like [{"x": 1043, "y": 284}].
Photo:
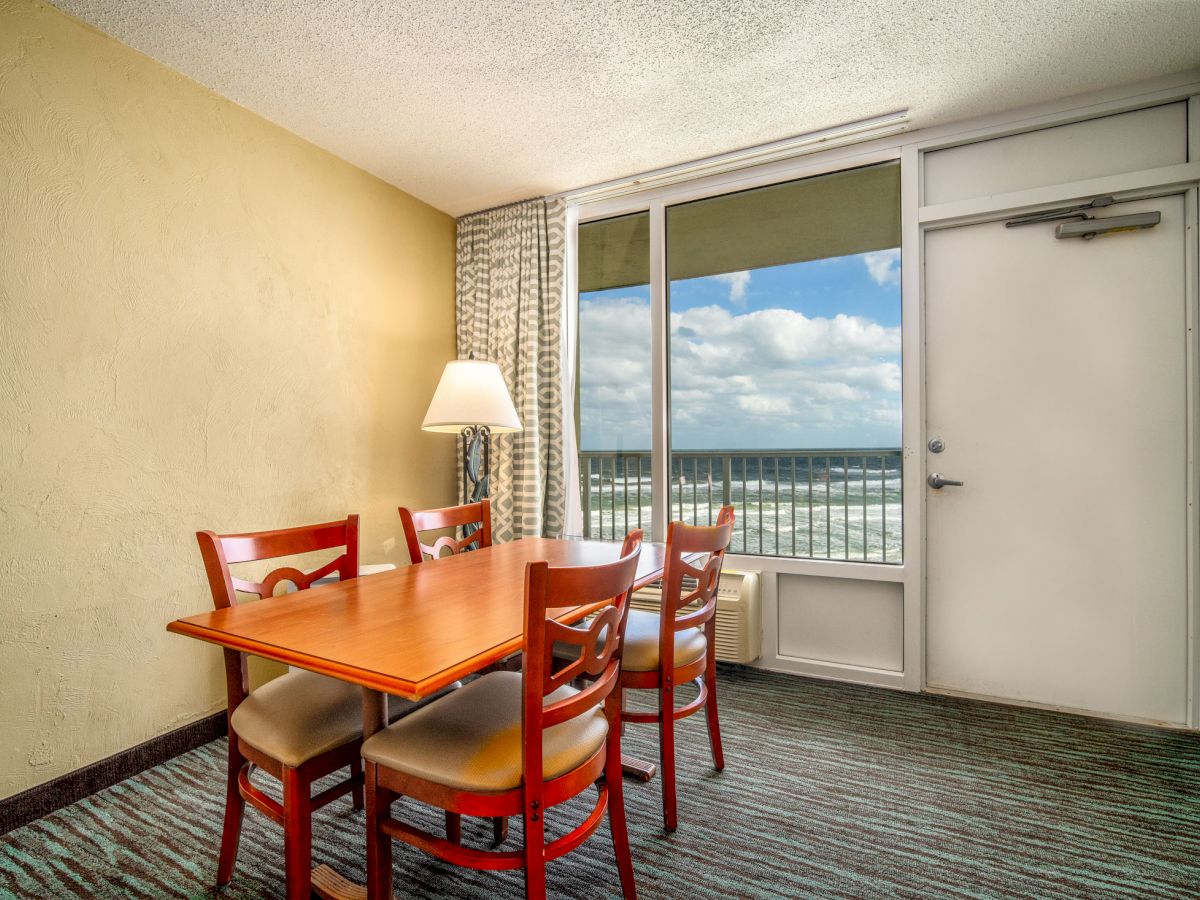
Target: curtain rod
[
  {"x": 798, "y": 145},
  {"x": 774, "y": 151}
]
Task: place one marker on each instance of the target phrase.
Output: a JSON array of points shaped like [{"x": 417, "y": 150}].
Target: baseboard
[
  {"x": 1158, "y": 724},
  {"x": 25, "y": 807}
]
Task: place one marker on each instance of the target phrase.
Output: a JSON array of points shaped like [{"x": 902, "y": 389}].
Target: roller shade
[
  {"x": 614, "y": 253},
  {"x": 840, "y": 214}
]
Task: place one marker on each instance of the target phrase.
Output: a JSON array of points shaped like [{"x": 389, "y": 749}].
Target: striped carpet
[{"x": 831, "y": 791}]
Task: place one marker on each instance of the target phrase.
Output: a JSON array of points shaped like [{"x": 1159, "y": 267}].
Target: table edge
[{"x": 376, "y": 681}]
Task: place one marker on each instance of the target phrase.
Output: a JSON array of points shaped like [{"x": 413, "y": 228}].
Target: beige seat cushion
[
  {"x": 301, "y": 715},
  {"x": 564, "y": 650},
  {"x": 471, "y": 739},
  {"x": 641, "y": 643}
]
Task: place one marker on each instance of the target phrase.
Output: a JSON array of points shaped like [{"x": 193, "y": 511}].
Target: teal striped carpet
[{"x": 830, "y": 791}]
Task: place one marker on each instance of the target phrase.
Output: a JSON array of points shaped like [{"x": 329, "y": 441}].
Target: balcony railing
[{"x": 814, "y": 504}]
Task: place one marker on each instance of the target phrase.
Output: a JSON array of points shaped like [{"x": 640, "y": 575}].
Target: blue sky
[
  {"x": 790, "y": 357},
  {"x": 822, "y": 288}
]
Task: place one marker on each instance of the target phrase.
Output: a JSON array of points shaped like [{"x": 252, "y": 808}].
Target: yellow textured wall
[{"x": 206, "y": 323}]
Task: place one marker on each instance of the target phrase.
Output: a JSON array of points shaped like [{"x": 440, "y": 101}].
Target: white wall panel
[
  {"x": 1143, "y": 139},
  {"x": 841, "y": 620}
]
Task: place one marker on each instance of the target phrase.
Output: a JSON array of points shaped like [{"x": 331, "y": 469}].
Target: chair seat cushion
[
  {"x": 641, "y": 643},
  {"x": 301, "y": 715},
  {"x": 471, "y": 739}
]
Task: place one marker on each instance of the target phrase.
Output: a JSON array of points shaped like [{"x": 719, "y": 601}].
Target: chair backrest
[
  {"x": 599, "y": 639},
  {"x": 219, "y": 551},
  {"x": 685, "y": 540},
  {"x": 474, "y": 518}
]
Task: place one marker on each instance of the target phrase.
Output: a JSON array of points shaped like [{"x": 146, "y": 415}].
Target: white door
[{"x": 1056, "y": 379}]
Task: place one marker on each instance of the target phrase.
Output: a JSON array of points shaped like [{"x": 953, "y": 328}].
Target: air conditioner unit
[{"x": 739, "y": 614}]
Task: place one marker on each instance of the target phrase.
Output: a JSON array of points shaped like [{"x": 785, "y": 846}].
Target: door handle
[{"x": 937, "y": 481}]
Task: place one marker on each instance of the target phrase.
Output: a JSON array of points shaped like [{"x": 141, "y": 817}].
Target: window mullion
[{"x": 660, "y": 399}]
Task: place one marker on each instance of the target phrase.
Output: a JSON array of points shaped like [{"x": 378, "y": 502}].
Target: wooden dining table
[{"x": 409, "y": 632}]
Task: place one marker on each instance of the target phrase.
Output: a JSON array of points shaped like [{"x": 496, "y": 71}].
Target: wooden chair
[
  {"x": 517, "y": 743},
  {"x": 299, "y": 727},
  {"x": 677, "y": 645},
  {"x": 474, "y": 518},
  {"x": 476, "y": 521}
]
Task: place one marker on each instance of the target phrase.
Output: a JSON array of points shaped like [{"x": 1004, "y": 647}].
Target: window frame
[{"x": 655, "y": 203}]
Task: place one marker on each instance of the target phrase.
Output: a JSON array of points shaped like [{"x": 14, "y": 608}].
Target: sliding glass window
[
  {"x": 614, "y": 401},
  {"x": 783, "y": 392},
  {"x": 785, "y": 364}
]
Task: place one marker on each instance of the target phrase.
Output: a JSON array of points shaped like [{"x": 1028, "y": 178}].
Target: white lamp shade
[{"x": 471, "y": 392}]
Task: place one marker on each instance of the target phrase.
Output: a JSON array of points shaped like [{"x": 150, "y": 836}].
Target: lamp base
[{"x": 477, "y": 466}]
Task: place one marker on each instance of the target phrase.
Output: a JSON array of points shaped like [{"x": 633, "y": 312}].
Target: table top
[{"x": 412, "y": 631}]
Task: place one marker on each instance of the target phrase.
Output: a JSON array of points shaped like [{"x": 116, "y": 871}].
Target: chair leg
[
  {"x": 666, "y": 752},
  {"x": 235, "y": 806},
  {"x": 453, "y": 827},
  {"x": 614, "y": 780},
  {"x": 297, "y": 835},
  {"x": 710, "y": 714},
  {"x": 379, "y": 844},
  {"x": 499, "y": 830},
  {"x": 535, "y": 855},
  {"x": 356, "y": 772}
]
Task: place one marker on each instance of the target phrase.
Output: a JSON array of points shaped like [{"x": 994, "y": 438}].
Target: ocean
[{"x": 843, "y": 505}]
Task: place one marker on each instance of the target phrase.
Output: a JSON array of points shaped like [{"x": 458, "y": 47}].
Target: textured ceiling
[{"x": 472, "y": 104}]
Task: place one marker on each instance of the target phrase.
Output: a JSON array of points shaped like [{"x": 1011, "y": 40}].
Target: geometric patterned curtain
[{"x": 508, "y": 295}]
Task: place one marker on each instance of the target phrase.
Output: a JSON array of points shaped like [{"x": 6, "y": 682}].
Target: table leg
[
  {"x": 375, "y": 711},
  {"x": 327, "y": 883},
  {"x": 631, "y": 765}
]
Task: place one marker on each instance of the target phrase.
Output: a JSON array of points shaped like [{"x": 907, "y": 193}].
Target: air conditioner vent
[{"x": 739, "y": 614}]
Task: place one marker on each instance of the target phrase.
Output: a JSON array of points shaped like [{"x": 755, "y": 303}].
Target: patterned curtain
[{"x": 509, "y": 291}]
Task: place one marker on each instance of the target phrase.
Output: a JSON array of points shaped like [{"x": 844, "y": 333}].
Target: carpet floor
[{"x": 830, "y": 790}]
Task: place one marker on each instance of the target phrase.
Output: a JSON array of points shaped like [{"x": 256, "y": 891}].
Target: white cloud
[
  {"x": 737, "y": 283},
  {"x": 614, "y": 372},
  {"x": 762, "y": 403},
  {"x": 761, "y": 379},
  {"x": 883, "y": 266}
]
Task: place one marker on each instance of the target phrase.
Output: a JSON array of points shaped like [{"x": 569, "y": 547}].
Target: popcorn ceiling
[{"x": 471, "y": 104}]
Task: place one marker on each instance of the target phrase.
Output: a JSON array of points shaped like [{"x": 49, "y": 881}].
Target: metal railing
[{"x": 812, "y": 504}]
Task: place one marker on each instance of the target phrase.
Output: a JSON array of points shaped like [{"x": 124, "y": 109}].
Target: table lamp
[{"x": 472, "y": 401}]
